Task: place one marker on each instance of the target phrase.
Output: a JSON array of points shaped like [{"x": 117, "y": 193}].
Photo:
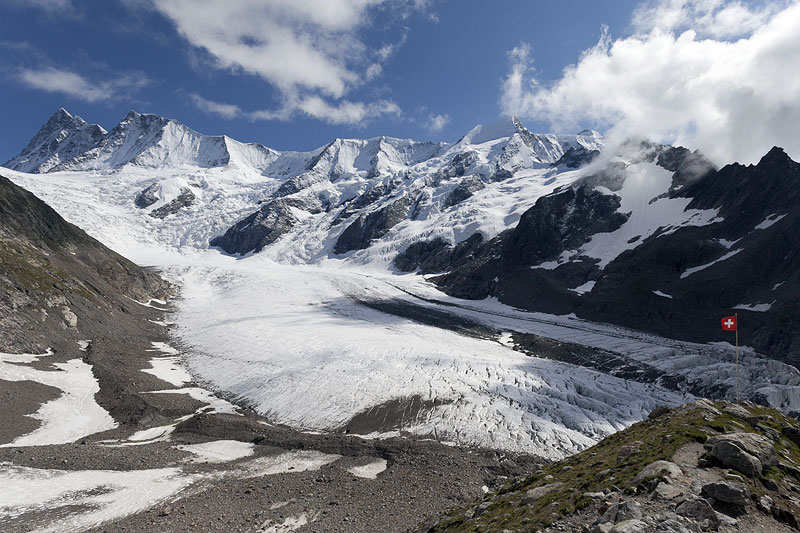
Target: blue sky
[{"x": 294, "y": 74}]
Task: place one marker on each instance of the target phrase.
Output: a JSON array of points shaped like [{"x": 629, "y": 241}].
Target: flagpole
[{"x": 737, "y": 358}]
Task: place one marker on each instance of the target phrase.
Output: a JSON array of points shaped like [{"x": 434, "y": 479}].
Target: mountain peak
[{"x": 776, "y": 155}]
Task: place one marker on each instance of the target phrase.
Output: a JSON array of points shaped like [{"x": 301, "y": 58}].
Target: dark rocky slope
[
  {"x": 699, "y": 467},
  {"x": 759, "y": 211},
  {"x": 58, "y": 283}
]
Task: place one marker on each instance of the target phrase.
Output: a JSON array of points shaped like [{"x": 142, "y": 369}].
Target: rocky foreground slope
[{"x": 699, "y": 467}]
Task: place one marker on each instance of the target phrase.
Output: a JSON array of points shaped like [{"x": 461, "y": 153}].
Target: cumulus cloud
[
  {"x": 72, "y": 84},
  {"x": 438, "y": 122},
  {"x": 308, "y": 50},
  {"x": 717, "y": 75}
]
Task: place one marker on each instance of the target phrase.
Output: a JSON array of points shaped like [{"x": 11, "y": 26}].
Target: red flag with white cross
[{"x": 729, "y": 323}]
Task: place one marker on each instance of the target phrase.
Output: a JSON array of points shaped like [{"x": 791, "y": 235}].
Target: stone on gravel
[
  {"x": 671, "y": 525},
  {"x": 628, "y": 450},
  {"x": 765, "y": 504},
  {"x": 727, "y": 492},
  {"x": 657, "y": 469},
  {"x": 605, "y": 527},
  {"x": 536, "y": 493},
  {"x": 731, "y": 455},
  {"x": 627, "y": 510},
  {"x": 630, "y": 526},
  {"x": 666, "y": 491},
  {"x": 480, "y": 509},
  {"x": 698, "y": 509},
  {"x": 753, "y": 443}
]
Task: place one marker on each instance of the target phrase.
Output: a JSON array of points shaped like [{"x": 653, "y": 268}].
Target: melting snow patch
[
  {"x": 690, "y": 271},
  {"x": 102, "y": 495},
  {"x": 294, "y": 461},
  {"x": 662, "y": 294},
  {"x": 290, "y": 524},
  {"x": 506, "y": 339},
  {"x": 84, "y": 345},
  {"x": 167, "y": 369},
  {"x": 583, "y": 289},
  {"x": 369, "y": 471},
  {"x": 759, "y": 308},
  {"x": 218, "y": 451},
  {"x": 769, "y": 221},
  {"x": 163, "y": 347},
  {"x": 215, "y": 404},
  {"x": 69, "y": 417}
]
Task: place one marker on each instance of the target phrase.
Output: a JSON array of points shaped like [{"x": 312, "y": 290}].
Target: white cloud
[
  {"x": 215, "y": 108},
  {"x": 678, "y": 79},
  {"x": 51, "y": 6},
  {"x": 309, "y": 50},
  {"x": 63, "y": 81},
  {"x": 343, "y": 112},
  {"x": 438, "y": 122}
]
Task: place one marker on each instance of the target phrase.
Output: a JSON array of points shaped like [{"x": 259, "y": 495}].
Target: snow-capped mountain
[
  {"x": 637, "y": 235},
  {"x": 62, "y": 138}
]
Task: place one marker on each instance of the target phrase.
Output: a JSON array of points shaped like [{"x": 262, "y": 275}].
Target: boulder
[
  {"x": 534, "y": 494},
  {"x": 671, "y": 525},
  {"x": 727, "y": 492},
  {"x": 631, "y": 526},
  {"x": 699, "y": 510},
  {"x": 627, "y": 510},
  {"x": 730, "y": 455},
  {"x": 480, "y": 509},
  {"x": 658, "y": 411},
  {"x": 792, "y": 433},
  {"x": 737, "y": 410},
  {"x": 657, "y": 469},
  {"x": 752, "y": 443},
  {"x": 665, "y": 492}
]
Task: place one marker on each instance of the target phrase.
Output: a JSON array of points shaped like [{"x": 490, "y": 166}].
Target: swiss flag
[{"x": 729, "y": 323}]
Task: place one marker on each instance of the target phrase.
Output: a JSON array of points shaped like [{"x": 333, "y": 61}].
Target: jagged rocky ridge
[{"x": 677, "y": 281}]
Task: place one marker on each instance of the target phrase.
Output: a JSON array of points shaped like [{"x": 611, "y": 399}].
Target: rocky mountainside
[
  {"x": 57, "y": 284},
  {"x": 699, "y": 467},
  {"x": 671, "y": 260}
]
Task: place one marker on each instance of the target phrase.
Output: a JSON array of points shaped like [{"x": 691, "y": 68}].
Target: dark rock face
[
  {"x": 577, "y": 157},
  {"x": 258, "y": 230},
  {"x": 457, "y": 167},
  {"x": 758, "y": 213},
  {"x": 468, "y": 186},
  {"x": 147, "y": 197},
  {"x": 375, "y": 225},
  {"x": 184, "y": 199},
  {"x": 436, "y": 255},
  {"x": 298, "y": 183},
  {"x": 370, "y": 196},
  {"x": 58, "y": 283}
]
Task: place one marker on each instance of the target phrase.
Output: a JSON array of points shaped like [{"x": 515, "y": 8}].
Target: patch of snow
[
  {"x": 84, "y": 344},
  {"x": 689, "y": 271},
  {"x": 218, "y": 451},
  {"x": 167, "y": 369},
  {"x": 215, "y": 404},
  {"x": 71, "y": 416},
  {"x": 294, "y": 461},
  {"x": 102, "y": 495},
  {"x": 662, "y": 294},
  {"x": 583, "y": 289},
  {"x": 777, "y": 285},
  {"x": 728, "y": 244},
  {"x": 163, "y": 347},
  {"x": 369, "y": 471},
  {"x": 506, "y": 339},
  {"x": 291, "y": 523},
  {"x": 769, "y": 221},
  {"x": 759, "y": 308}
]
